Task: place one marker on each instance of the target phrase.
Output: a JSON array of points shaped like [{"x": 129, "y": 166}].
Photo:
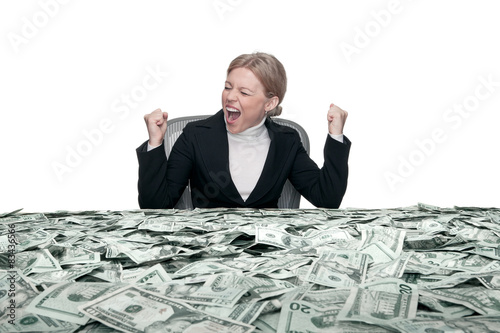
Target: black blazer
[{"x": 201, "y": 155}]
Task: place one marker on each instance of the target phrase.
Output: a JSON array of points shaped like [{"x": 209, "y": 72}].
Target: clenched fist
[
  {"x": 156, "y": 122},
  {"x": 336, "y": 119}
]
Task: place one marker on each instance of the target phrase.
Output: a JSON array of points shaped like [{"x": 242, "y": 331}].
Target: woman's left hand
[{"x": 336, "y": 119}]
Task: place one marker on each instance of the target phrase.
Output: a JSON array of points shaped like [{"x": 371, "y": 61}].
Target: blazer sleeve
[
  {"x": 162, "y": 181},
  {"x": 323, "y": 187}
]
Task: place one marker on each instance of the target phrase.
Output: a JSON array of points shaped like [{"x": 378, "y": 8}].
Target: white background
[{"x": 65, "y": 68}]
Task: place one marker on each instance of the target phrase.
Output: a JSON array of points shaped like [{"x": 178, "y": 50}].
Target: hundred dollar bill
[
  {"x": 378, "y": 307},
  {"x": 132, "y": 309},
  {"x": 61, "y": 301}
]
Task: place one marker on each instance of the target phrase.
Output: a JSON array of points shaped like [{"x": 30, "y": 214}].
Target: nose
[{"x": 231, "y": 95}]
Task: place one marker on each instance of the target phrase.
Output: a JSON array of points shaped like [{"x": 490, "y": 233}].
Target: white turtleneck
[{"x": 247, "y": 155}]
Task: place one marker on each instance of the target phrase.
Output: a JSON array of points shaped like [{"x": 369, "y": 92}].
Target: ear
[{"x": 271, "y": 103}]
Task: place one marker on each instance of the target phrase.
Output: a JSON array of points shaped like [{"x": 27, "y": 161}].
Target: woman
[{"x": 239, "y": 157}]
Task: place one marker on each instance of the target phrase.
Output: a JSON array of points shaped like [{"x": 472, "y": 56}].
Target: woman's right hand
[{"x": 156, "y": 122}]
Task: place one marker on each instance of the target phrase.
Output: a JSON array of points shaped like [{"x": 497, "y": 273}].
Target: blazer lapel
[
  {"x": 278, "y": 153},
  {"x": 214, "y": 150}
]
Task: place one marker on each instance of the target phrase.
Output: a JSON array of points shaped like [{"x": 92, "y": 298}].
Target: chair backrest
[{"x": 289, "y": 198}]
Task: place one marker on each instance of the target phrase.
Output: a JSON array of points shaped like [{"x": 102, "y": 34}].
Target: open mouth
[{"x": 232, "y": 114}]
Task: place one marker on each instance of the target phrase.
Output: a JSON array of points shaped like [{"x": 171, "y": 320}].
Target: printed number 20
[
  {"x": 404, "y": 289},
  {"x": 297, "y": 306}
]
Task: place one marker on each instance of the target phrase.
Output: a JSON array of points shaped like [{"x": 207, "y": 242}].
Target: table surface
[{"x": 412, "y": 269}]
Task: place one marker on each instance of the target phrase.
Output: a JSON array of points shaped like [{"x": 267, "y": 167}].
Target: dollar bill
[
  {"x": 246, "y": 265},
  {"x": 132, "y": 309},
  {"x": 455, "y": 325},
  {"x": 280, "y": 238},
  {"x": 302, "y": 316},
  {"x": 483, "y": 301},
  {"x": 197, "y": 293},
  {"x": 289, "y": 262},
  {"x": 61, "y": 300},
  {"x": 392, "y": 238},
  {"x": 243, "y": 312},
  {"x": 339, "y": 269},
  {"x": 154, "y": 274},
  {"x": 14, "y": 303},
  {"x": 392, "y": 285},
  {"x": 378, "y": 307},
  {"x": 39, "y": 261},
  {"x": 257, "y": 288}
]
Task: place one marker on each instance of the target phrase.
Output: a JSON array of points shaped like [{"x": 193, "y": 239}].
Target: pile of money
[{"x": 412, "y": 269}]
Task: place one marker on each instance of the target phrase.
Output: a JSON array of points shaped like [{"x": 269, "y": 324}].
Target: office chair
[{"x": 289, "y": 198}]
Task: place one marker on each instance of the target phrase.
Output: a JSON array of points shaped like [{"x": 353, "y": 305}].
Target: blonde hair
[{"x": 269, "y": 71}]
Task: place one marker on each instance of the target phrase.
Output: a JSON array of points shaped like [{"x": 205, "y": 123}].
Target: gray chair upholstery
[{"x": 289, "y": 198}]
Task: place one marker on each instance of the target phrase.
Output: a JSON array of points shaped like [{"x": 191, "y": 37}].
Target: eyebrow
[{"x": 227, "y": 82}]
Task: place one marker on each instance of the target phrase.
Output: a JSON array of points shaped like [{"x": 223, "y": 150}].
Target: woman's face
[{"x": 244, "y": 101}]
